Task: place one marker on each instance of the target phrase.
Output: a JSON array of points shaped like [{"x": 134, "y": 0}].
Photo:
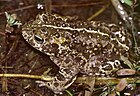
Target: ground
[{"x": 18, "y": 57}]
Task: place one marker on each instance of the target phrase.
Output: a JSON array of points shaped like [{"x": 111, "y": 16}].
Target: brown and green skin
[{"x": 90, "y": 47}]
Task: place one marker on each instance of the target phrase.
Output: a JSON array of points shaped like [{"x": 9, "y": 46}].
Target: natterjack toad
[{"x": 90, "y": 47}]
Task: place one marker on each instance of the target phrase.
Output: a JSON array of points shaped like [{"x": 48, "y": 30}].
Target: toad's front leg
[{"x": 65, "y": 77}]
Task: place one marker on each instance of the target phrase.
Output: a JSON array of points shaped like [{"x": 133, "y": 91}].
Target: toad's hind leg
[{"x": 101, "y": 66}]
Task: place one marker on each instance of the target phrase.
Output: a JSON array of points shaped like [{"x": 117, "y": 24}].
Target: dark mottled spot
[
  {"x": 75, "y": 34},
  {"x": 114, "y": 28},
  {"x": 54, "y": 48},
  {"x": 78, "y": 59},
  {"x": 57, "y": 35},
  {"x": 56, "y": 84},
  {"x": 60, "y": 77},
  {"x": 67, "y": 70},
  {"x": 86, "y": 55},
  {"x": 43, "y": 30},
  {"x": 80, "y": 48},
  {"x": 45, "y": 18}
]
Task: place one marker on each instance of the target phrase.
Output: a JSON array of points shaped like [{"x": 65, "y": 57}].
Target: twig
[
  {"x": 48, "y": 6},
  {"x": 2, "y": 33},
  {"x": 119, "y": 8},
  {"x": 25, "y": 76},
  {"x": 54, "y": 6},
  {"x": 98, "y": 12},
  {"x": 103, "y": 80},
  {"x": 19, "y": 9},
  {"x": 98, "y": 80},
  {"x": 78, "y": 5},
  {"x": 20, "y": 75},
  {"x": 129, "y": 22},
  {"x": 11, "y": 49}
]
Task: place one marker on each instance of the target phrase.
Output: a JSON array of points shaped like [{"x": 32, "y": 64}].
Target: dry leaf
[
  {"x": 126, "y": 72},
  {"x": 121, "y": 85}
]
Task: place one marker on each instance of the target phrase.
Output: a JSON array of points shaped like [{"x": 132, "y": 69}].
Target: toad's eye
[{"x": 38, "y": 39}]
